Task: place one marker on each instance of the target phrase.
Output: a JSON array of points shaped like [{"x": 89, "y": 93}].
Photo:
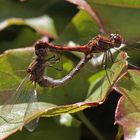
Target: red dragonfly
[
  {"x": 46, "y": 81},
  {"x": 100, "y": 43}
]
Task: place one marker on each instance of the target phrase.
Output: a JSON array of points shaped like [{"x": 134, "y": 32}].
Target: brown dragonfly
[{"x": 26, "y": 92}]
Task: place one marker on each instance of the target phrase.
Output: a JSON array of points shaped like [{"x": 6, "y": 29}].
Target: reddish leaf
[{"x": 128, "y": 109}]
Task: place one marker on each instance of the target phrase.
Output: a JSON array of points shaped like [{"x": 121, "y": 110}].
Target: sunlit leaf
[
  {"x": 42, "y": 24},
  {"x": 101, "y": 87},
  {"x": 80, "y": 30},
  {"x": 10, "y": 72},
  {"x": 45, "y": 109},
  {"x": 48, "y": 110}
]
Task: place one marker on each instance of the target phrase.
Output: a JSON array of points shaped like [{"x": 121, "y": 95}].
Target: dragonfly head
[
  {"x": 41, "y": 49},
  {"x": 117, "y": 39}
]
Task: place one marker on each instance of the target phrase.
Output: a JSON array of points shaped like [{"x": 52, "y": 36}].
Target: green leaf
[
  {"x": 43, "y": 24},
  {"x": 111, "y": 16},
  {"x": 25, "y": 9},
  {"x": 19, "y": 59},
  {"x": 24, "y": 32},
  {"x": 8, "y": 128},
  {"x": 100, "y": 86},
  {"x": 129, "y": 3},
  {"x": 128, "y": 109},
  {"x": 82, "y": 4},
  {"x": 11, "y": 60},
  {"x": 48, "y": 128},
  {"x": 73, "y": 96},
  {"x": 80, "y": 30},
  {"x": 133, "y": 53},
  {"x": 45, "y": 109},
  {"x": 30, "y": 9},
  {"x": 115, "y": 16}
]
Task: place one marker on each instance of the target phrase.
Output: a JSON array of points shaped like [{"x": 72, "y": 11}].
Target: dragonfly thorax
[
  {"x": 104, "y": 42},
  {"x": 41, "y": 50},
  {"x": 36, "y": 69}
]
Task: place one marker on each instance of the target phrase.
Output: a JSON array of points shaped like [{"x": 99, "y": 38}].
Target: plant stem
[{"x": 90, "y": 126}]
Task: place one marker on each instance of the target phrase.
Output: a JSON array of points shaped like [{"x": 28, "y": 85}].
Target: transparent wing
[
  {"x": 32, "y": 106},
  {"x": 14, "y": 109}
]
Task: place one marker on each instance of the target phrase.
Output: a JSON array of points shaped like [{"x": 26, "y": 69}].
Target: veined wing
[
  {"x": 10, "y": 111},
  {"x": 31, "y": 126}
]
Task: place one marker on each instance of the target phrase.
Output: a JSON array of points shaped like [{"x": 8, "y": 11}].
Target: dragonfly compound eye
[
  {"x": 40, "y": 44},
  {"x": 117, "y": 39},
  {"x": 41, "y": 49}
]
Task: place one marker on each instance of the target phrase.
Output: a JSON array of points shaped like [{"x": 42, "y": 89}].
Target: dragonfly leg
[
  {"x": 53, "y": 60},
  {"x": 105, "y": 66},
  {"x": 50, "y": 82},
  {"x": 103, "y": 60},
  {"x": 111, "y": 56},
  {"x": 59, "y": 69}
]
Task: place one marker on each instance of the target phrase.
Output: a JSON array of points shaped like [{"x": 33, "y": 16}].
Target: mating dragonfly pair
[{"x": 26, "y": 93}]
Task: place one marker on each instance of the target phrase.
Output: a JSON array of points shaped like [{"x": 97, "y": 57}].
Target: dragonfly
[
  {"x": 26, "y": 92},
  {"x": 101, "y": 43},
  {"x": 46, "y": 81},
  {"x": 26, "y": 95}
]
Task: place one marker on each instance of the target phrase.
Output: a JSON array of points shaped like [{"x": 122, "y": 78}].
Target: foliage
[{"x": 62, "y": 22}]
